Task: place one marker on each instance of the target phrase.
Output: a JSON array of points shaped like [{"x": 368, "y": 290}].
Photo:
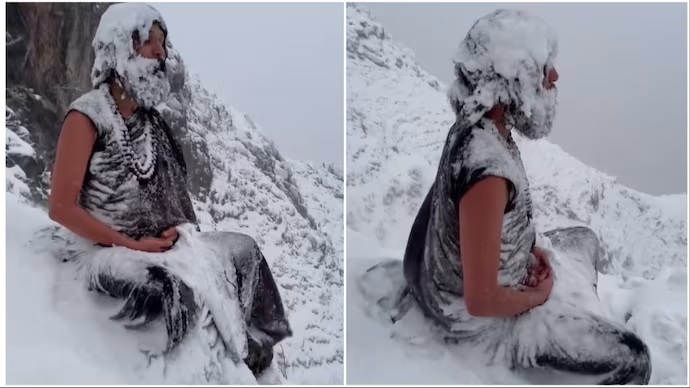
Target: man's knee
[
  {"x": 587, "y": 236},
  {"x": 642, "y": 363},
  {"x": 573, "y": 234},
  {"x": 635, "y": 362},
  {"x": 590, "y": 241},
  {"x": 580, "y": 238},
  {"x": 240, "y": 242}
]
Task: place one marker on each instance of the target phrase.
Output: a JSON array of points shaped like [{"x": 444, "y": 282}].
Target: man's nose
[
  {"x": 553, "y": 76},
  {"x": 159, "y": 52}
]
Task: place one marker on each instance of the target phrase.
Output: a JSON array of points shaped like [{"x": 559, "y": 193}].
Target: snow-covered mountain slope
[
  {"x": 322, "y": 189},
  {"x": 397, "y": 120},
  {"x": 240, "y": 182}
]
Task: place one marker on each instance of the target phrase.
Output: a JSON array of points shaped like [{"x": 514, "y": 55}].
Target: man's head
[
  {"x": 130, "y": 48},
  {"x": 507, "y": 58}
]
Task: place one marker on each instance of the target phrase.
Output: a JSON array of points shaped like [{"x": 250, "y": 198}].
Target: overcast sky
[
  {"x": 622, "y": 92},
  {"x": 282, "y": 64}
]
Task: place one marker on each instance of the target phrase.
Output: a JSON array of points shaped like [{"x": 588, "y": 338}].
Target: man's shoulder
[
  {"x": 92, "y": 105},
  {"x": 87, "y": 102},
  {"x": 482, "y": 136},
  {"x": 477, "y": 141},
  {"x": 481, "y": 149}
]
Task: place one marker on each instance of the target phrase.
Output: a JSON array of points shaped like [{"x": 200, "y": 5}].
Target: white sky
[
  {"x": 623, "y": 87},
  {"x": 282, "y": 64}
]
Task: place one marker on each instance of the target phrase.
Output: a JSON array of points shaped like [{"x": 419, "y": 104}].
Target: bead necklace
[{"x": 143, "y": 170}]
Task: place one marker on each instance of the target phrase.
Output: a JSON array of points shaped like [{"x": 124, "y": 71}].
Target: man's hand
[
  {"x": 543, "y": 269},
  {"x": 543, "y": 289},
  {"x": 151, "y": 244},
  {"x": 540, "y": 280},
  {"x": 170, "y": 234},
  {"x": 162, "y": 243}
]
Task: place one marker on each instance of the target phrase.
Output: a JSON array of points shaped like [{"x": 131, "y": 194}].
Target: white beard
[
  {"x": 543, "y": 113},
  {"x": 144, "y": 82}
]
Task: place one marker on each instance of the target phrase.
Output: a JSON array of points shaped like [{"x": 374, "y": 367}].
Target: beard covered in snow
[
  {"x": 536, "y": 123},
  {"x": 503, "y": 60},
  {"x": 145, "y": 81}
]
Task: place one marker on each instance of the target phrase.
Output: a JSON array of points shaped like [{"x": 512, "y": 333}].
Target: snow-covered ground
[{"x": 397, "y": 120}]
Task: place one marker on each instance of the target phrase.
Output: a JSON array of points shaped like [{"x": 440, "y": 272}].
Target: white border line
[
  {"x": 344, "y": 26},
  {"x": 3, "y": 230},
  {"x": 687, "y": 184}
]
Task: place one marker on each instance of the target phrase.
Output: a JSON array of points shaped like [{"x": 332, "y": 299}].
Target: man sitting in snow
[
  {"x": 119, "y": 182},
  {"x": 472, "y": 263}
]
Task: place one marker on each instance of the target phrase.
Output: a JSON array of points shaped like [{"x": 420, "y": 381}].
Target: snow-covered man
[
  {"x": 473, "y": 262},
  {"x": 119, "y": 183}
]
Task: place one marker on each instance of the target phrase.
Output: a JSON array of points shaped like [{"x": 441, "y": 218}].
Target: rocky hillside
[{"x": 238, "y": 178}]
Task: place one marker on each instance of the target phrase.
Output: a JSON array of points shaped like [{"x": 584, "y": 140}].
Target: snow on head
[
  {"x": 503, "y": 60},
  {"x": 144, "y": 79}
]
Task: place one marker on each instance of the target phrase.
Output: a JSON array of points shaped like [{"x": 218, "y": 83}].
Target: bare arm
[
  {"x": 74, "y": 148},
  {"x": 480, "y": 246}
]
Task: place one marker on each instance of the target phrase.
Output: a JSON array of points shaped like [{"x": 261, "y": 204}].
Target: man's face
[
  {"x": 540, "y": 122},
  {"x": 144, "y": 76},
  {"x": 154, "y": 47}
]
